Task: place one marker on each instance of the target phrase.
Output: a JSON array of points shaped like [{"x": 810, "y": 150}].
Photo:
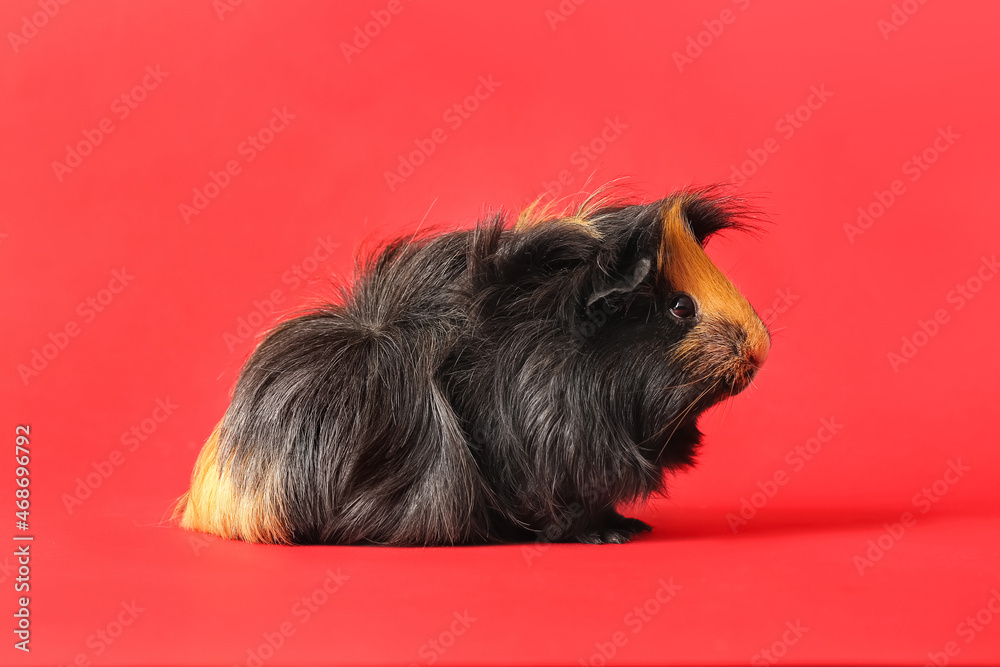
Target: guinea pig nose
[{"x": 758, "y": 353}]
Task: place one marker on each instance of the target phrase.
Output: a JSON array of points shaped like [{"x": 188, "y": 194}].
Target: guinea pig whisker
[
  {"x": 732, "y": 267},
  {"x": 685, "y": 384},
  {"x": 679, "y": 418},
  {"x": 727, "y": 405}
]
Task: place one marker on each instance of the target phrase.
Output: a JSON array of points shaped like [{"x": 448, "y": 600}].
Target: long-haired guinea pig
[{"x": 507, "y": 383}]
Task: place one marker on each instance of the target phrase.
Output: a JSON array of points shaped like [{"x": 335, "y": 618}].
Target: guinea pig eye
[{"x": 682, "y": 306}]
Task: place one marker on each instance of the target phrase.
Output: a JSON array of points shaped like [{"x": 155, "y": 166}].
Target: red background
[{"x": 165, "y": 336}]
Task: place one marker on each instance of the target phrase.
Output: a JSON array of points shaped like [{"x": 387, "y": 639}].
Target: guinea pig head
[{"x": 720, "y": 342}]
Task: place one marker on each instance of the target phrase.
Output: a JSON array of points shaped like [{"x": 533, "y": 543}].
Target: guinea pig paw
[{"x": 617, "y": 529}]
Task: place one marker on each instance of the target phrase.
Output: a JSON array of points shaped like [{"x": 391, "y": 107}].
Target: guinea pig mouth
[{"x": 737, "y": 376}]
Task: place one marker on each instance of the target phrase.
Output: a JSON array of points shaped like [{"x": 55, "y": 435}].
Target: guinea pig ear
[{"x": 626, "y": 284}]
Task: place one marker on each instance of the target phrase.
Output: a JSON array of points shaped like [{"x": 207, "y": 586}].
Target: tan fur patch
[
  {"x": 213, "y": 504},
  {"x": 688, "y": 269},
  {"x": 582, "y": 214}
]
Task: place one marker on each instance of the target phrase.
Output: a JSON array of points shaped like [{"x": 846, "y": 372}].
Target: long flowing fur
[{"x": 507, "y": 383}]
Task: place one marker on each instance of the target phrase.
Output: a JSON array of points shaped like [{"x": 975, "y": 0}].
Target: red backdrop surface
[{"x": 177, "y": 176}]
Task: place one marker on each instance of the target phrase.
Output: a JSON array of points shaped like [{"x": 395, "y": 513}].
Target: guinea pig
[{"x": 508, "y": 383}]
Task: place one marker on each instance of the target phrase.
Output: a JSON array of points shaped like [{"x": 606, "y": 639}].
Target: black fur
[{"x": 488, "y": 385}]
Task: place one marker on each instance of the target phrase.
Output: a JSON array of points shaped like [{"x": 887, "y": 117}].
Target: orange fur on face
[
  {"x": 214, "y": 505},
  {"x": 687, "y": 268}
]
